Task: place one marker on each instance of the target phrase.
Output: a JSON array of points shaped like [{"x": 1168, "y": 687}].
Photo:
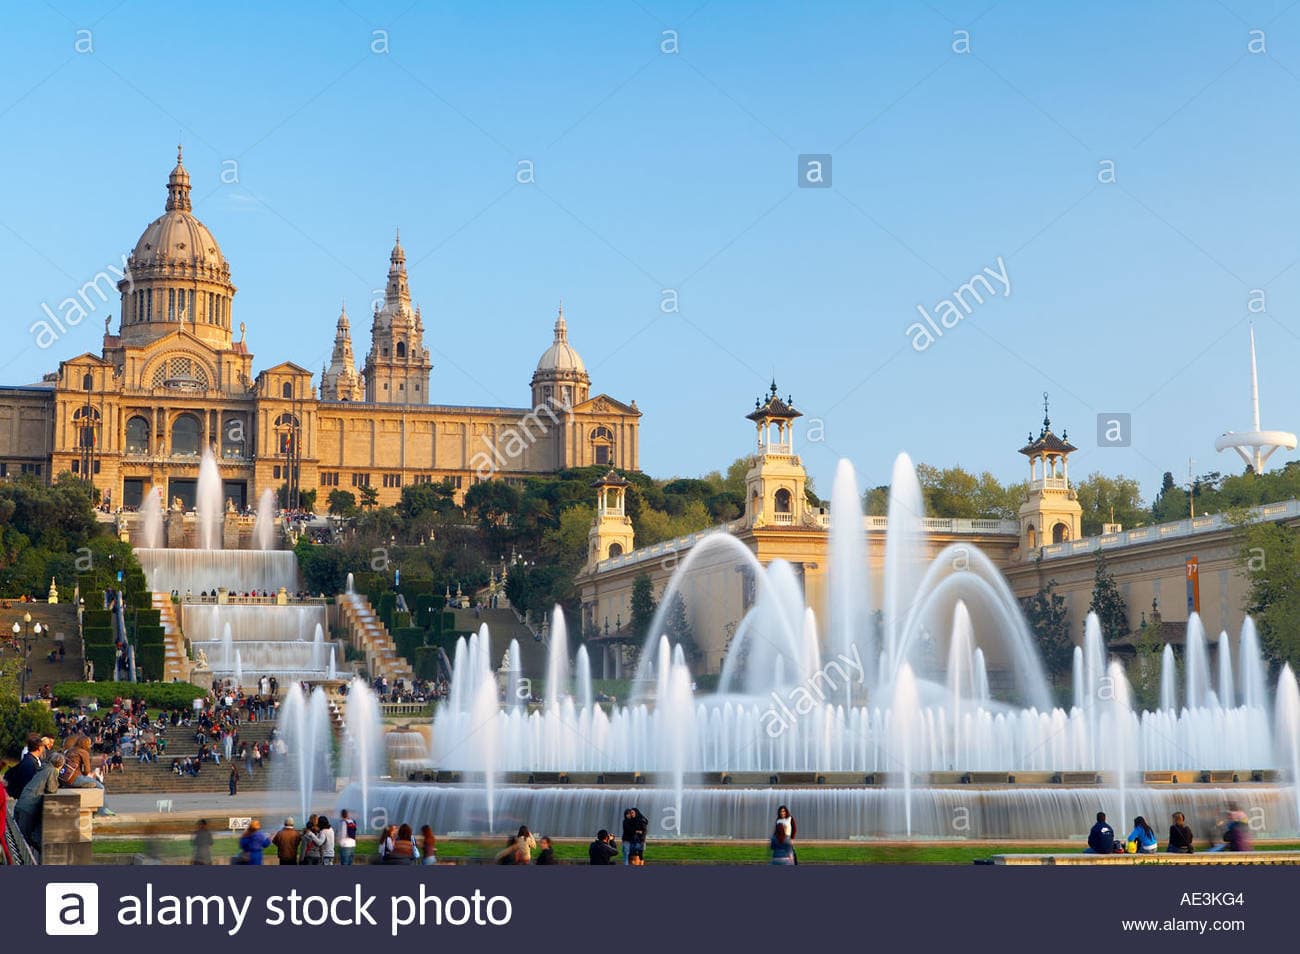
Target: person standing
[
  {"x": 429, "y": 846},
  {"x": 234, "y": 779},
  {"x": 1181, "y": 840},
  {"x": 347, "y": 838},
  {"x": 786, "y": 821},
  {"x": 635, "y": 827},
  {"x": 547, "y": 855},
  {"x": 286, "y": 842},
  {"x": 202, "y": 844},
  {"x": 782, "y": 847},
  {"x": 252, "y": 843},
  {"x": 321, "y": 839}
]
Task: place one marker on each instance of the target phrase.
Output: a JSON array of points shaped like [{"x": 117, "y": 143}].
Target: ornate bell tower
[
  {"x": 774, "y": 486},
  {"x": 611, "y": 532},
  {"x": 398, "y": 365},
  {"x": 1051, "y": 513}
]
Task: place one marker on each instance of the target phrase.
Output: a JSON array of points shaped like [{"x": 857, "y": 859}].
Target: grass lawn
[{"x": 667, "y": 852}]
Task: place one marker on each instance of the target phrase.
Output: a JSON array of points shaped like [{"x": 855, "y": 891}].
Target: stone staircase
[
  {"x": 58, "y": 625},
  {"x": 149, "y": 777},
  {"x": 367, "y": 632},
  {"x": 175, "y": 661},
  {"x": 505, "y": 626}
]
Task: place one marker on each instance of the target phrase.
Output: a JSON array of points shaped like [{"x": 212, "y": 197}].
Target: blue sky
[{"x": 677, "y": 170}]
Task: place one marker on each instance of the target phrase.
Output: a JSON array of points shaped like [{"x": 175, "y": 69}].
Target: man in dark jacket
[
  {"x": 602, "y": 851},
  {"x": 22, "y": 773},
  {"x": 1101, "y": 840}
]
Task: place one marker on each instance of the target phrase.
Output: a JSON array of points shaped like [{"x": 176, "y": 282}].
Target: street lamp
[{"x": 24, "y": 633}]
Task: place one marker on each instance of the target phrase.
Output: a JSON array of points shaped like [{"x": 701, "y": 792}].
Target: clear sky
[{"x": 669, "y": 160}]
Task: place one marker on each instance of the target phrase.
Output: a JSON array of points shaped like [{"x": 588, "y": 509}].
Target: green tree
[
  {"x": 1048, "y": 619},
  {"x": 1108, "y": 604},
  {"x": 1270, "y": 554},
  {"x": 342, "y": 503},
  {"x": 643, "y": 606},
  {"x": 423, "y": 500},
  {"x": 492, "y": 502},
  {"x": 1100, "y": 495},
  {"x": 678, "y": 628},
  {"x": 369, "y": 497}
]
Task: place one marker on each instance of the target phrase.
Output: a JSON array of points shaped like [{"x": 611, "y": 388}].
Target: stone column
[{"x": 67, "y": 825}]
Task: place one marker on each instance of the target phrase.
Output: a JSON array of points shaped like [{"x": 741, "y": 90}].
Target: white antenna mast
[{"x": 1255, "y": 446}]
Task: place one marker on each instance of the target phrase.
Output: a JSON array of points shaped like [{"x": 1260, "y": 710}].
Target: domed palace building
[{"x": 178, "y": 377}]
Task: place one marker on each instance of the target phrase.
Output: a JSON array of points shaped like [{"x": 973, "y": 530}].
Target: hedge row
[{"x": 167, "y": 695}]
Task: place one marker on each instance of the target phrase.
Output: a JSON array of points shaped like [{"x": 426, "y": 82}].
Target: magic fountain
[{"x": 875, "y": 722}]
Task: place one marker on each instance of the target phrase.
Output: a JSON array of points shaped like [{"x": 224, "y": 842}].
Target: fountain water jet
[{"x": 264, "y": 526}]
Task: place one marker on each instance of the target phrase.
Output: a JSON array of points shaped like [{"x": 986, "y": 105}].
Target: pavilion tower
[
  {"x": 774, "y": 486},
  {"x": 1051, "y": 513},
  {"x": 611, "y": 532}
]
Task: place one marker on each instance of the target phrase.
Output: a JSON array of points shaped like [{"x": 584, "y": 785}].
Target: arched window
[
  {"x": 87, "y": 381},
  {"x": 86, "y": 422},
  {"x": 782, "y": 501},
  {"x": 401, "y": 349},
  {"x": 137, "y": 436},
  {"x": 286, "y": 389},
  {"x": 615, "y": 549},
  {"x": 234, "y": 435},
  {"x": 185, "y": 436},
  {"x": 602, "y": 439},
  {"x": 1031, "y": 536},
  {"x": 286, "y": 430},
  {"x": 1060, "y": 533}
]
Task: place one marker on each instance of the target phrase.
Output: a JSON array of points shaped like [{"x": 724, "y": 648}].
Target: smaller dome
[{"x": 561, "y": 356}]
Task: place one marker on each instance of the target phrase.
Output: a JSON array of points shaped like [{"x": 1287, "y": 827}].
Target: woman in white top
[{"x": 322, "y": 840}]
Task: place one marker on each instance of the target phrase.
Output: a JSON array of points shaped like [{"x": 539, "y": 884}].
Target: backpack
[{"x": 71, "y": 767}]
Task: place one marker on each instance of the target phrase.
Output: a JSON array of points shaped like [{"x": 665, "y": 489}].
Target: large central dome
[
  {"x": 177, "y": 279},
  {"x": 177, "y": 236}
]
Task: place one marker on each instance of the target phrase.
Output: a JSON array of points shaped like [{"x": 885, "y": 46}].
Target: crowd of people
[{"x": 1232, "y": 833}]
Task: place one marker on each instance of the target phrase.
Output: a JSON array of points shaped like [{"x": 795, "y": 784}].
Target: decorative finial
[
  {"x": 178, "y": 154},
  {"x": 243, "y": 330},
  {"x": 1047, "y": 423}
]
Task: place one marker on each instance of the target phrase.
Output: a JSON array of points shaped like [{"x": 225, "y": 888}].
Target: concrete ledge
[{"x": 1202, "y": 858}]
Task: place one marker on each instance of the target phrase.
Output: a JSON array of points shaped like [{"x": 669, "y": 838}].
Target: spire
[
  {"x": 178, "y": 187},
  {"x": 1047, "y": 421},
  {"x": 561, "y": 327},
  {"x": 398, "y": 291},
  {"x": 1254, "y": 379}
]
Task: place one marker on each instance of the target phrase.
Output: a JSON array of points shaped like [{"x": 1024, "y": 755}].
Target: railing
[
  {"x": 404, "y": 708},
  {"x": 783, "y": 519},
  {"x": 1285, "y": 510},
  {"x": 1049, "y": 483}
]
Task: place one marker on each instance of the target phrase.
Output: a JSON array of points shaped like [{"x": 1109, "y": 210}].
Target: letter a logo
[{"x": 71, "y": 908}]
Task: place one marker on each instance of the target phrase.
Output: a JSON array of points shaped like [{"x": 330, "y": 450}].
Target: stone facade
[{"x": 174, "y": 379}]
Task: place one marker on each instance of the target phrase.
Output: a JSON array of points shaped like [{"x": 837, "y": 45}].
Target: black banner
[{"x": 652, "y": 909}]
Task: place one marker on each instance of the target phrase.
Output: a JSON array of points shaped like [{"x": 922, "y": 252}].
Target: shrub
[{"x": 167, "y": 695}]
